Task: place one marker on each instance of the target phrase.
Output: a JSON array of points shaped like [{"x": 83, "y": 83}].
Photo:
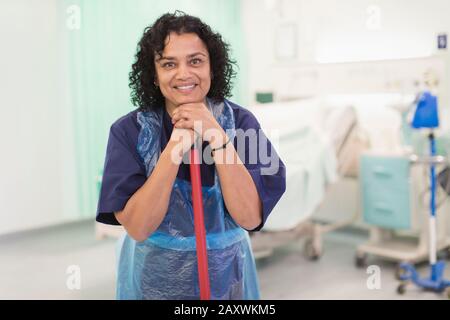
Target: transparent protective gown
[{"x": 164, "y": 266}]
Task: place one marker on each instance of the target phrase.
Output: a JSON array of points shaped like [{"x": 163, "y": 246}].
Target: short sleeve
[
  {"x": 262, "y": 162},
  {"x": 123, "y": 174}
]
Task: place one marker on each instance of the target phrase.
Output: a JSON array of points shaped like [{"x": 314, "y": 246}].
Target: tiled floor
[{"x": 34, "y": 266}]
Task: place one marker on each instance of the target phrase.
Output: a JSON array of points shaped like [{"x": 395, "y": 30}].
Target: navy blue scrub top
[{"x": 124, "y": 171}]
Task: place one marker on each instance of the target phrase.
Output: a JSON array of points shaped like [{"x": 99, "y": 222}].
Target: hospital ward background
[{"x": 354, "y": 95}]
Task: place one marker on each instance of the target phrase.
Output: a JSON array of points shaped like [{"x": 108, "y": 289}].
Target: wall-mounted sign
[{"x": 442, "y": 41}]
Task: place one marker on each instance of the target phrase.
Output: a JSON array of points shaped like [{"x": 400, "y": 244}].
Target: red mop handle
[{"x": 199, "y": 224}]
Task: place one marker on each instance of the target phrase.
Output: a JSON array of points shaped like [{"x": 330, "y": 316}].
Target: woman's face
[{"x": 183, "y": 71}]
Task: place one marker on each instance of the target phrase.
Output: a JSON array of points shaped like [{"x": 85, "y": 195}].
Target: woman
[{"x": 179, "y": 81}]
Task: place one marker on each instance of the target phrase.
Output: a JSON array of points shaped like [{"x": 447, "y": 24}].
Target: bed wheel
[
  {"x": 401, "y": 289},
  {"x": 311, "y": 251},
  {"x": 401, "y": 273}
]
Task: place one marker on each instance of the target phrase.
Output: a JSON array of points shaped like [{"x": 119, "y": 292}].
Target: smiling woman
[
  {"x": 183, "y": 71},
  {"x": 156, "y": 46},
  {"x": 181, "y": 78}
]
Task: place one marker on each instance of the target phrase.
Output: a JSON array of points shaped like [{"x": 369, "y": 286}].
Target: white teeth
[{"x": 186, "y": 87}]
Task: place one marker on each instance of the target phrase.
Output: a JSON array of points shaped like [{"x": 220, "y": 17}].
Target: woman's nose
[{"x": 182, "y": 71}]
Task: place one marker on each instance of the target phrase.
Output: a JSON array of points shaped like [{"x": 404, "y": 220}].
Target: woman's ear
[{"x": 156, "y": 82}]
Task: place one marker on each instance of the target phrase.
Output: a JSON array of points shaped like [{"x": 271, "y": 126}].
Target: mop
[
  {"x": 199, "y": 225},
  {"x": 426, "y": 116}
]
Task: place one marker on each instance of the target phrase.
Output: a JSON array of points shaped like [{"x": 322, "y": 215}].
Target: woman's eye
[
  {"x": 168, "y": 65},
  {"x": 196, "y": 61}
]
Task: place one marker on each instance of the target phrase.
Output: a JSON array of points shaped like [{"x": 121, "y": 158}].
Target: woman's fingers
[
  {"x": 185, "y": 139},
  {"x": 190, "y": 111},
  {"x": 188, "y": 124},
  {"x": 184, "y": 124},
  {"x": 195, "y": 117},
  {"x": 178, "y": 115}
]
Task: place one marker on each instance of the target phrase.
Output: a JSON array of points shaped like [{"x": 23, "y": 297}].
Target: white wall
[
  {"x": 33, "y": 185},
  {"x": 340, "y": 30}
]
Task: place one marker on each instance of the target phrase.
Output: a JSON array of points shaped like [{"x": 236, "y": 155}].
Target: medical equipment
[
  {"x": 199, "y": 225},
  {"x": 426, "y": 116},
  {"x": 393, "y": 205}
]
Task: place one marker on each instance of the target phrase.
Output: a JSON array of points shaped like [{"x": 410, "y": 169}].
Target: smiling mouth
[{"x": 186, "y": 88}]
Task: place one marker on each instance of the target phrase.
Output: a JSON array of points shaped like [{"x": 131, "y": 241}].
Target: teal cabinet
[{"x": 386, "y": 196}]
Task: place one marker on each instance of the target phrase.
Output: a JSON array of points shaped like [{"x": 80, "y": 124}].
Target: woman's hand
[
  {"x": 239, "y": 190},
  {"x": 183, "y": 139},
  {"x": 197, "y": 117}
]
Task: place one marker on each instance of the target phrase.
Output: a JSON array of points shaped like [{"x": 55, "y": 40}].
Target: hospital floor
[{"x": 34, "y": 265}]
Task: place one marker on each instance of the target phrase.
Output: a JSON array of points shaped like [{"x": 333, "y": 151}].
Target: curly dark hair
[{"x": 144, "y": 93}]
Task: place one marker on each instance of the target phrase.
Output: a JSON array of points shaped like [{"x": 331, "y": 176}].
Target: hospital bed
[
  {"x": 321, "y": 151},
  {"x": 317, "y": 142},
  {"x": 376, "y": 91}
]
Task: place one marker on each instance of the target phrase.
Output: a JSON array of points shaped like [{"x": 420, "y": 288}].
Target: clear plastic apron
[{"x": 164, "y": 266}]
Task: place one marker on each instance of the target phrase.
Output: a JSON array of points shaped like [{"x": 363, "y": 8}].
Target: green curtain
[{"x": 99, "y": 57}]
